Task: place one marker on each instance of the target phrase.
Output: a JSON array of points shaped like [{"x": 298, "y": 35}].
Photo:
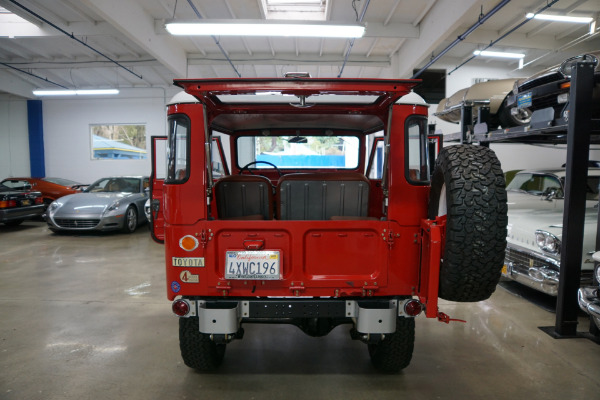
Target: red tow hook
[{"x": 446, "y": 318}]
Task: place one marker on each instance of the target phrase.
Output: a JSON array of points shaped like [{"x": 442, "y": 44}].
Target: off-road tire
[
  {"x": 395, "y": 351},
  {"x": 130, "y": 220},
  {"x": 475, "y": 241},
  {"x": 197, "y": 350}
]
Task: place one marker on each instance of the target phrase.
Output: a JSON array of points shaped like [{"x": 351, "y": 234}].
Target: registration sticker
[
  {"x": 524, "y": 100},
  {"x": 188, "y": 277},
  {"x": 252, "y": 265},
  {"x": 188, "y": 262}
]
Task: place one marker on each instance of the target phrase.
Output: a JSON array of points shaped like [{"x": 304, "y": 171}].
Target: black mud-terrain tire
[
  {"x": 130, "y": 220},
  {"x": 468, "y": 187},
  {"x": 395, "y": 351},
  {"x": 197, "y": 350}
]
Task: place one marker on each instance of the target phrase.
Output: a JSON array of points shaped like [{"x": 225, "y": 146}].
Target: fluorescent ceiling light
[
  {"x": 74, "y": 92},
  {"x": 264, "y": 28},
  {"x": 498, "y": 54},
  {"x": 560, "y": 18}
]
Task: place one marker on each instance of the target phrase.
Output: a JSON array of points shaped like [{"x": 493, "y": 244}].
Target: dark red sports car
[{"x": 51, "y": 188}]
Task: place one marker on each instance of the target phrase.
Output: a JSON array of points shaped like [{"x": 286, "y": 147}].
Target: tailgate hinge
[
  {"x": 223, "y": 288},
  {"x": 369, "y": 290},
  {"x": 297, "y": 288}
]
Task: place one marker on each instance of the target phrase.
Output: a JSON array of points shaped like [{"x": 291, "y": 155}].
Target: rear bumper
[
  {"x": 224, "y": 317},
  {"x": 12, "y": 214}
]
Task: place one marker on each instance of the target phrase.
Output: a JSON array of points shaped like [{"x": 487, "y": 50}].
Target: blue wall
[
  {"x": 309, "y": 161},
  {"x": 35, "y": 122}
]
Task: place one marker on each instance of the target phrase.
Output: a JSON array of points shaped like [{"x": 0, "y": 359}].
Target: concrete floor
[{"x": 86, "y": 317}]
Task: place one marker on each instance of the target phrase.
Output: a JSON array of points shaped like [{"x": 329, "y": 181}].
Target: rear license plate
[
  {"x": 25, "y": 202},
  {"x": 524, "y": 100},
  {"x": 252, "y": 265}
]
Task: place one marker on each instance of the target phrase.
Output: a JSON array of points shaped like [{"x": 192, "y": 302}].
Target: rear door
[{"x": 157, "y": 179}]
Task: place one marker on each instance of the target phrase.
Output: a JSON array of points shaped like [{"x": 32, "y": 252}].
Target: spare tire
[{"x": 468, "y": 187}]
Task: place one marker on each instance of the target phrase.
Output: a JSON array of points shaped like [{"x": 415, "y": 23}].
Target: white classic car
[
  {"x": 589, "y": 296},
  {"x": 535, "y": 218}
]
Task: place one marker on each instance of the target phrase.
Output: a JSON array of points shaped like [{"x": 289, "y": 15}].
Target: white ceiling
[{"x": 402, "y": 35}]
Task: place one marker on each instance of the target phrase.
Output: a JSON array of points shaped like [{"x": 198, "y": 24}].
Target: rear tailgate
[{"x": 315, "y": 258}]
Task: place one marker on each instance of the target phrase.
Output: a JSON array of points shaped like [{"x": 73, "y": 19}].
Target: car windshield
[
  {"x": 298, "y": 151},
  {"x": 115, "y": 185},
  {"x": 61, "y": 181},
  {"x": 543, "y": 184},
  {"x": 535, "y": 184}
]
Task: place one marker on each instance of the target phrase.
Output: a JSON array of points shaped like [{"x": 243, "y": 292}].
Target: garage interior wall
[
  {"x": 67, "y": 137},
  {"x": 14, "y": 137}
]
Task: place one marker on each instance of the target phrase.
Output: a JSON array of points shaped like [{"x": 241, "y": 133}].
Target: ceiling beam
[
  {"x": 515, "y": 39},
  {"x": 289, "y": 58},
  {"x": 444, "y": 18},
  {"x": 393, "y": 30},
  {"x": 128, "y": 17},
  {"x": 15, "y": 83}
]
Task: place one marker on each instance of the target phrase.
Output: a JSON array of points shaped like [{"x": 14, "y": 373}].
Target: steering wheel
[{"x": 247, "y": 167}]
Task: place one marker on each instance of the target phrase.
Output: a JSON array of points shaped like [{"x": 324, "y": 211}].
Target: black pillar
[{"x": 578, "y": 145}]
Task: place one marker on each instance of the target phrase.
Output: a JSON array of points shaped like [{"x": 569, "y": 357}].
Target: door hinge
[
  {"x": 390, "y": 237},
  {"x": 205, "y": 237}
]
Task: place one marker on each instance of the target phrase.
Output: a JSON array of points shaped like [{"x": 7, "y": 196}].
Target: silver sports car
[{"x": 111, "y": 203}]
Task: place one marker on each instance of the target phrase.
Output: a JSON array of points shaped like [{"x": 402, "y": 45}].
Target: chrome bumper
[
  {"x": 589, "y": 301},
  {"x": 535, "y": 270}
]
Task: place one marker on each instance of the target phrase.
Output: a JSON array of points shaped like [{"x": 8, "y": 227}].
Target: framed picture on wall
[{"x": 118, "y": 142}]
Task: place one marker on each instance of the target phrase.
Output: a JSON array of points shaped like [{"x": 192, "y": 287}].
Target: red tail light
[
  {"x": 39, "y": 200},
  {"x": 413, "y": 308},
  {"x": 180, "y": 307},
  {"x": 8, "y": 203}
]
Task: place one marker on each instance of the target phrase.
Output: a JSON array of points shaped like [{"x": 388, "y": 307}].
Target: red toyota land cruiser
[{"x": 313, "y": 202}]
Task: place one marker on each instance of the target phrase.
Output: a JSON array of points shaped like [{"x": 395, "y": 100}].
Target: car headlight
[
  {"x": 597, "y": 273},
  {"x": 547, "y": 242},
  {"x": 113, "y": 206},
  {"x": 54, "y": 206}
]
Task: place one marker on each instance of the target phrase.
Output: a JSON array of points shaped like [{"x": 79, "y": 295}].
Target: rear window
[{"x": 299, "y": 152}]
